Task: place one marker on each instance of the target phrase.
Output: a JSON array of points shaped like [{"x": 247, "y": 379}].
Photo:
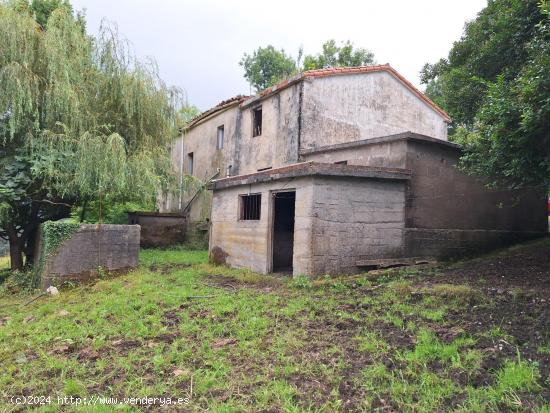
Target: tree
[
  {"x": 80, "y": 120},
  {"x": 186, "y": 114},
  {"x": 267, "y": 66},
  {"x": 338, "y": 56},
  {"x": 495, "y": 84}
]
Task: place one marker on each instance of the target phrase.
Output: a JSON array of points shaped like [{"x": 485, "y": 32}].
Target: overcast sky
[{"x": 198, "y": 44}]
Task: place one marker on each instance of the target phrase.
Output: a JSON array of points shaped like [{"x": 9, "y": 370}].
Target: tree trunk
[
  {"x": 16, "y": 252},
  {"x": 29, "y": 248},
  {"x": 83, "y": 211}
]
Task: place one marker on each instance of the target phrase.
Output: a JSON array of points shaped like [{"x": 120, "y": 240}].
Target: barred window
[{"x": 250, "y": 206}]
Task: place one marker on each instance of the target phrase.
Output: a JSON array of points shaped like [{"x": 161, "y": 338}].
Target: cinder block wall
[
  {"x": 355, "y": 219},
  {"x": 449, "y": 213},
  {"x": 338, "y": 221},
  {"x": 112, "y": 247}
]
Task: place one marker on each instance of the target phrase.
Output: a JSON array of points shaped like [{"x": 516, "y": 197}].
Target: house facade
[{"x": 334, "y": 169}]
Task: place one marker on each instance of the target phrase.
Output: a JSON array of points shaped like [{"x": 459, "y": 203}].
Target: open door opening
[{"x": 283, "y": 231}]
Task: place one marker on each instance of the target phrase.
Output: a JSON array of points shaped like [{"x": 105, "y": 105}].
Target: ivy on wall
[{"x": 52, "y": 235}]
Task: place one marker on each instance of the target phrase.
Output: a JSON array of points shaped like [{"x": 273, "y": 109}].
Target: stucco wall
[
  {"x": 334, "y": 110},
  {"x": 348, "y": 108},
  {"x": 276, "y": 146},
  {"x": 278, "y": 143},
  {"x": 201, "y": 140},
  {"x": 247, "y": 243},
  {"x": 355, "y": 219},
  {"x": 112, "y": 247}
]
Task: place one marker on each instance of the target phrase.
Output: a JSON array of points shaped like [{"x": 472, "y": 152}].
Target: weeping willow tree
[{"x": 80, "y": 120}]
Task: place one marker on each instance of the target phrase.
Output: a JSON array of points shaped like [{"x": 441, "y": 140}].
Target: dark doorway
[{"x": 283, "y": 231}]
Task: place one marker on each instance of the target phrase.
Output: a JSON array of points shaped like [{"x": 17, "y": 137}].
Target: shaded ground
[{"x": 473, "y": 336}]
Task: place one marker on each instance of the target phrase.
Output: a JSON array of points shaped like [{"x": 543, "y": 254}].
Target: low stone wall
[
  {"x": 159, "y": 229},
  {"x": 90, "y": 248}
]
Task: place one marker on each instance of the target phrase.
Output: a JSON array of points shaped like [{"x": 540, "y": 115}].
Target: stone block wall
[
  {"x": 111, "y": 247},
  {"x": 450, "y": 214}
]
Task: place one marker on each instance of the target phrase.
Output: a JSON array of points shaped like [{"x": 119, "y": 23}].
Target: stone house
[{"x": 334, "y": 170}]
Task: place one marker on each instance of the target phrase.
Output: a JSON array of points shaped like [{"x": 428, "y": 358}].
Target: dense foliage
[
  {"x": 338, "y": 56},
  {"x": 495, "y": 84},
  {"x": 80, "y": 120},
  {"x": 267, "y": 66}
]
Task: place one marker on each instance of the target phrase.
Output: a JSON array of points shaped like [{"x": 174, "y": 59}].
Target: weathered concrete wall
[
  {"x": 355, "y": 219},
  {"x": 450, "y": 214},
  {"x": 159, "y": 229},
  {"x": 384, "y": 154},
  {"x": 278, "y": 143},
  {"x": 440, "y": 196},
  {"x": 246, "y": 244},
  {"x": 112, "y": 247},
  {"x": 201, "y": 140},
  {"x": 338, "y": 221},
  {"x": 307, "y": 114},
  {"x": 349, "y": 108},
  {"x": 276, "y": 146}
]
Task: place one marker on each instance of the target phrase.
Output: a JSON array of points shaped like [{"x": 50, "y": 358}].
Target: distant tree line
[{"x": 267, "y": 66}]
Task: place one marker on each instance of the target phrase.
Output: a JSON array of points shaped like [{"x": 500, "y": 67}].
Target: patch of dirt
[
  {"x": 124, "y": 346},
  {"x": 515, "y": 286},
  {"x": 397, "y": 338},
  {"x": 87, "y": 354},
  {"x": 527, "y": 268},
  {"x": 171, "y": 318}
]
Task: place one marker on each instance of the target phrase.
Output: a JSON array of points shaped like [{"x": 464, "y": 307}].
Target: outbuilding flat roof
[{"x": 309, "y": 169}]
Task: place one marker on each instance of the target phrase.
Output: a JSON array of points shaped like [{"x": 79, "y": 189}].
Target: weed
[
  {"x": 371, "y": 342},
  {"x": 429, "y": 348},
  {"x": 302, "y": 282},
  {"x": 458, "y": 295}
]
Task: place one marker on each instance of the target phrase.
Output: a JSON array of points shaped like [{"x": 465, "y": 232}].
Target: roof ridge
[{"x": 244, "y": 100}]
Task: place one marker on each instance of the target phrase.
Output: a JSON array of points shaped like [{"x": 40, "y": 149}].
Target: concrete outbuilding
[{"x": 336, "y": 169}]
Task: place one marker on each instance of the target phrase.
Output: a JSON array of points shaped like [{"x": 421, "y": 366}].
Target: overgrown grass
[{"x": 232, "y": 340}]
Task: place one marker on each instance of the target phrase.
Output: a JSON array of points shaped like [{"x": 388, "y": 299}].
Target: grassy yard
[{"x": 448, "y": 338}]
